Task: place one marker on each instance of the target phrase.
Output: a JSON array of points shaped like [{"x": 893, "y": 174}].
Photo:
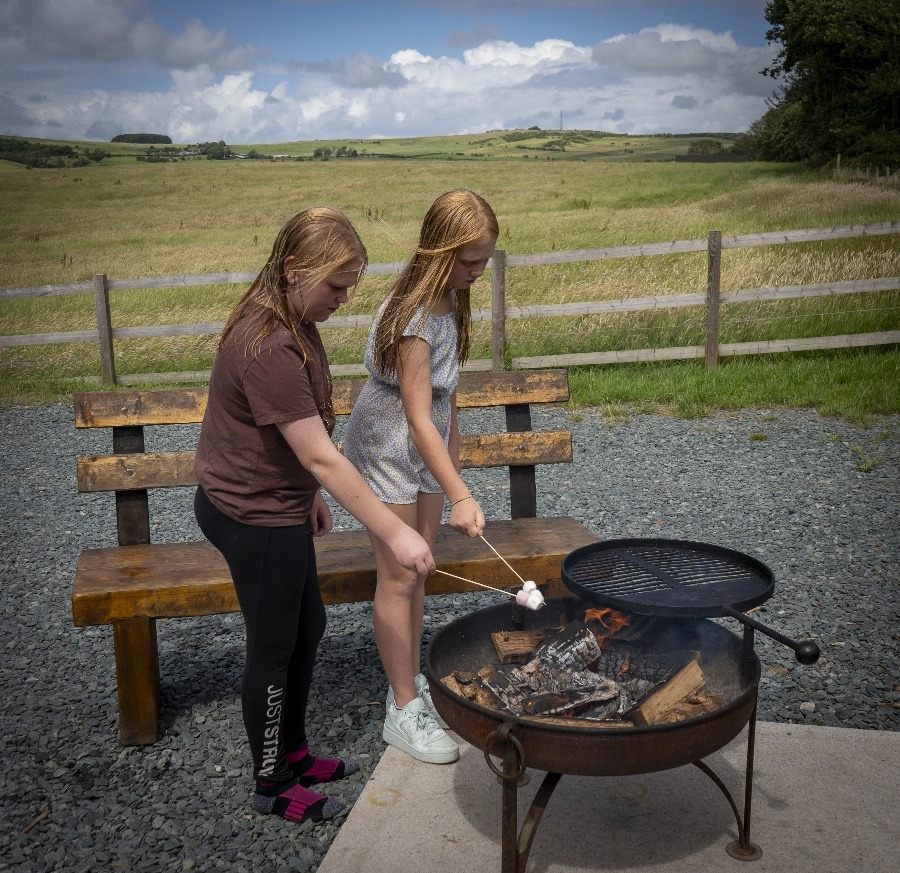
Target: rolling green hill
[{"x": 531, "y": 144}]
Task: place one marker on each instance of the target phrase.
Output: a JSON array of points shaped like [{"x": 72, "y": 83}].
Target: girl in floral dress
[{"x": 403, "y": 438}]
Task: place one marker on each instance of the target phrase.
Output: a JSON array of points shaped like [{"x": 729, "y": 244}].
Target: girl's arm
[
  {"x": 317, "y": 453},
  {"x": 453, "y": 442},
  {"x": 415, "y": 391}
]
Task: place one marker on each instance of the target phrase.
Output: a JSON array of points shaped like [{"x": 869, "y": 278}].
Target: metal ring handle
[{"x": 503, "y": 735}]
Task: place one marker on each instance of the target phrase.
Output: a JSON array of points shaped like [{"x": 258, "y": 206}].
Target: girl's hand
[
  {"x": 320, "y": 516},
  {"x": 410, "y": 550},
  {"x": 466, "y": 517}
]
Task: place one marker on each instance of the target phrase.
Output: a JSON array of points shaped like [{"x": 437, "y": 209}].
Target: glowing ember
[{"x": 609, "y": 620}]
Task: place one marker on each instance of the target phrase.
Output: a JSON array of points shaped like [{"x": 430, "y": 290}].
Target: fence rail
[{"x": 105, "y": 334}]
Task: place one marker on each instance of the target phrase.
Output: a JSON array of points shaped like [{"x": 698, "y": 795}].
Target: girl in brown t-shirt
[{"x": 265, "y": 448}]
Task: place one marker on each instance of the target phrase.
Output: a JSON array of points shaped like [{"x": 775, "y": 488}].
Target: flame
[
  {"x": 626, "y": 666},
  {"x": 609, "y": 620}
]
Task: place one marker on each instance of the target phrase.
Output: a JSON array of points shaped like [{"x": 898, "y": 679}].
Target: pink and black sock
[
  {"x": 293, "y": 802},
  {"x": 311, "y": 770}
]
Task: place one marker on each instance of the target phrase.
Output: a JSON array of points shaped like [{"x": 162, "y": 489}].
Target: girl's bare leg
[
  {"x": 400, "y": 598},
  {"x": 428, "y": 520}
]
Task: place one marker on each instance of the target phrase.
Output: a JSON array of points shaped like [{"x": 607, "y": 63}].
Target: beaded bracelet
[{"x": 460, "y": 500}]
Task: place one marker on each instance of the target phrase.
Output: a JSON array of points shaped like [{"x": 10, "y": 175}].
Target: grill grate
[{"x": 666, "y": 576}]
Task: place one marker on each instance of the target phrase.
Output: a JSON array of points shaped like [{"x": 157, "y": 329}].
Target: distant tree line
[
  {"x": 214, "y": 151},
  {"x": 839, "y": 67},
  {"x": 147, "y": 138},
  {"x": 340, "y": 152},
  {"x": 45, "y": 156}
]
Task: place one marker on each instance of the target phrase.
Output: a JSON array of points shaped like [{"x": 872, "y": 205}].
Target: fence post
[
  {"x": 498, "y": 310},
  {"x": 104, "y": 329},
  {"x": 713, "y": 276}
]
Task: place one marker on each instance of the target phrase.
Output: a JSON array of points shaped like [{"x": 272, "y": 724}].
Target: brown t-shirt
[{"x": 243, "y": 463}]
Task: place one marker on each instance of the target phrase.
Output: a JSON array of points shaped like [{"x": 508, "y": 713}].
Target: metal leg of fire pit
[
  {"x": 742, "y": 848},
  {"x": 516, "y": 845}
]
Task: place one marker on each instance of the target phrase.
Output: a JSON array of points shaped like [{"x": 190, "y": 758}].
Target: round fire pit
[
  {"x": 465, "y": 645},
  {"x": 566, "y": 746}
]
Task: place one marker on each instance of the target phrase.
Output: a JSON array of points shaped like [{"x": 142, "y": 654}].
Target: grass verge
[{"x": 856, "y": 384}]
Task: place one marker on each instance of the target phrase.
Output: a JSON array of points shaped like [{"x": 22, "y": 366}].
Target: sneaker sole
[{"x": 436, "y": 757}]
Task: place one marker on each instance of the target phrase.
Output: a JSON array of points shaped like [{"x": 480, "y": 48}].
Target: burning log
[
  {"x": 498, "y": 686},
  {"x": 465, "y": 685},
  {"x": 572, "y": 700},
  {"x": 667, "y": 702},
  {"x": 517, "y": 647},
  {"x": 574, "y": 648}
]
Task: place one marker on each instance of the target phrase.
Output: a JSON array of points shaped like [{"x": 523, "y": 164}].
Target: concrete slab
[{"x": 825, "y": 800}]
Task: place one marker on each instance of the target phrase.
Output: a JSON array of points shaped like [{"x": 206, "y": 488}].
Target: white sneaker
[
  {"x": 414, "y": 731},
  {"x": 424, "y": 692}
]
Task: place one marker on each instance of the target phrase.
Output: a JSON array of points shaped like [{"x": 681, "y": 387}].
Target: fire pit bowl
[
  {"x": 465, "y": 645},
  {"x": 558, "y": 746}
]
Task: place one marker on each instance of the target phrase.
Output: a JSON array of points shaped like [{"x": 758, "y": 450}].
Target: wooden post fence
[
  {"x": 499, "y": 313},
  {"x": 713, "y": 283},
  {"x": 104, "y": 329}
]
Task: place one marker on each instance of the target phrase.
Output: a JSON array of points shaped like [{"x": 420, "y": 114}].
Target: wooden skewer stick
[
  {"x": 501, "y": 558},
  {"x": 473, "y": 582}
]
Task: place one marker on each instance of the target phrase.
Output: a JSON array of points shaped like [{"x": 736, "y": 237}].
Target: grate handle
[{"x": 807, "y": 651}]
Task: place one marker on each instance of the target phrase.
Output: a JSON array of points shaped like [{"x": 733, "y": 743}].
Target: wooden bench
[{"x": 131, "y": 585}]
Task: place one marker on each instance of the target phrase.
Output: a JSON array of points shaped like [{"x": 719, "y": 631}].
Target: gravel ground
[{"x": 814, "y": 498}]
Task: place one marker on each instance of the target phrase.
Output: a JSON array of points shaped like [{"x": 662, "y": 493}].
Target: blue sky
[{"x": 281, "y": 70}]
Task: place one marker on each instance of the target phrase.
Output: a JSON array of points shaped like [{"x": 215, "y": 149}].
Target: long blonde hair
[
  {"x": 323, "y": 241},
  {"x": 457, "y": 218}
]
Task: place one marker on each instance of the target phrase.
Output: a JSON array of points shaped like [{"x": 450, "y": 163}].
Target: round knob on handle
[{"x": 807, "y": 652}]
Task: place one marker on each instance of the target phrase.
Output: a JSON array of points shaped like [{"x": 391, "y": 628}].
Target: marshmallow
[
  {"x": 522, "y": 597},
  {"x": 535, "y": 600},
  {"x": 529, "y": 586}
]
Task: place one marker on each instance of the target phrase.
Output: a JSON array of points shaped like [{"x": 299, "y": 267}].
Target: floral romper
[{"x": 377, "y": 440}]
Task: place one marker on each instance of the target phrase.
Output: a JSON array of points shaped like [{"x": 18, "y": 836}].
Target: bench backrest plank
[
  {"x": 187, "y": 405},
  {"x": 130, "y": 471},
  {"x": 137, "y": 471}
]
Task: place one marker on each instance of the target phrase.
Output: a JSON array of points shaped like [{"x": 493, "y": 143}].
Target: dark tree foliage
[
  {"x": 150, "y": 138},
  {"x": 215, "y": 151},
  {"x": 33, "y": 154},
  {"x": 839, "y": 67},
  {"x": 706, "y": 147}
]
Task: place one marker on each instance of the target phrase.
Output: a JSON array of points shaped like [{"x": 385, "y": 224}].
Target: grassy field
[
  {"x": 556, "y": 145},
  {"x": 130, "y": 219}
]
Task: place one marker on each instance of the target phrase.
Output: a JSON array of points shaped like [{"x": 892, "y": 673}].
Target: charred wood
[{"x": 517, "y": 647}]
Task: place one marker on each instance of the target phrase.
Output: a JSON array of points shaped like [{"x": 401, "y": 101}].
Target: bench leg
[{"x": 137, "y": 676}]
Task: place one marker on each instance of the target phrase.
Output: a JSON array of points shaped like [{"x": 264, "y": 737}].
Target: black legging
[{"x": 274, "y": 573}]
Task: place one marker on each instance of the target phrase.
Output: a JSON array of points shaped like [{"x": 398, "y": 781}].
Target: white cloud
[
  {"x": 649, "y": 52},
  {"x": 549, "y": 54},
  {"x": 490, "y": 65},
  {"x": 670, "y": 78},
  {"x": 723, "y": 42}
]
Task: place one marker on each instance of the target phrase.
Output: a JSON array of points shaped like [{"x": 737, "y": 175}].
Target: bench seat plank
[{"x": 183, "y": 579}]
